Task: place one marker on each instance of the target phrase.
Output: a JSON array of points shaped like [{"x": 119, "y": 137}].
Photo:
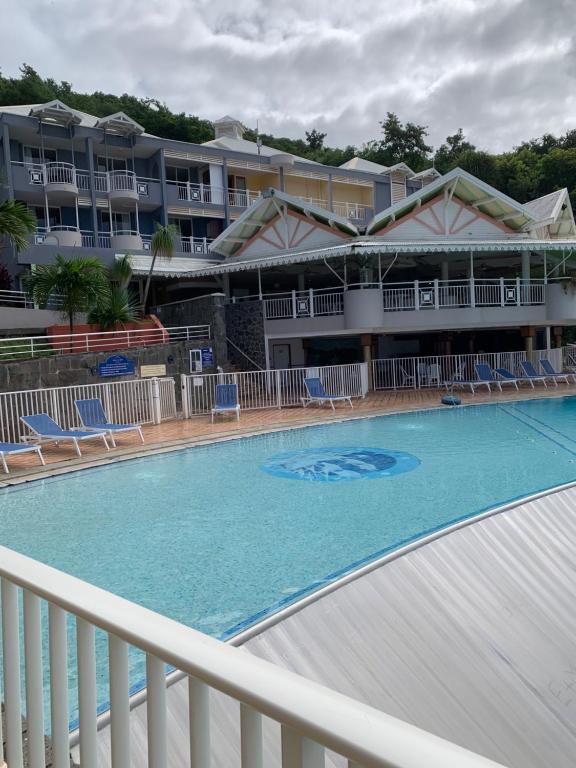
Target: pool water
[{"x": 212, "y": 538}]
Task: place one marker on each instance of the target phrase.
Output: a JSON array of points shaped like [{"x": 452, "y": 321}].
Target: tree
[
  {"x": 162, "y": 246},
  {"x": 448, "y": 153},
  {"x": 17, "y": 223},
  {"x": 120, "y": 305},
  {"x": 315, "y": 139},
  {"x": 79, "y": 284},
  {"x": 402, "y": 143},
  {"x": 480, "y": 164}
]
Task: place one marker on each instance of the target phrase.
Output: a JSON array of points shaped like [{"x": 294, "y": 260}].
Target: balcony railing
[
  {"x": 194, "y": 244},
  {"x": 59, "y": 173},
  {"x": 414, "y": 296}
]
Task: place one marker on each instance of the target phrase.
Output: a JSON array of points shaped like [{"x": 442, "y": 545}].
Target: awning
[
  {"x": 369, "y": 246},
  {"x": 177, "y": 266}
]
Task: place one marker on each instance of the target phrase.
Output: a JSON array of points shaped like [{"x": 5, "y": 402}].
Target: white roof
[
  {"x": 428, "y": 172},
  {"x": 250, "y": 148},
  {"x": 360, "y": 164},
  {"x": 89, "y": 121},
  {"x": 177, "y": 266}
]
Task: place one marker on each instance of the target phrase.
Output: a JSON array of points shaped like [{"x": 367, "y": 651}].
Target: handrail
[
  {"x": 355, "y": 730},
  {"x": 250, "y": 360}
]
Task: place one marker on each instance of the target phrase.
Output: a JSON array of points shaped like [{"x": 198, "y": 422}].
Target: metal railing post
[
  {"x": 184, "y": 390},
  {"x": 294, "y": 307},
  {"x": 416, "y": 295},
  {"x": 311, "y": 299},
  {"x": 502, "y": 293},
  {"x": 518, "y": 295},
  {"x": 436, "y": 295},
  {"x": 155, "y": 400},
  {"x": 472, "y": 293}
]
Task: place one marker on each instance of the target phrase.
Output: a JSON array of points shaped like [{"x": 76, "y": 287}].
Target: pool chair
[
  {"x": 556, "y": 375},
  {"x": 9, "y": 449},
  {"x": 93, "y": 418},
  {"x": 485, "y": 379},
  {"x": 532, "y": 375},
  {"x": 317, "y": 394},
  {"x": 226, "y": 400},
  {"x": 46, "y": 430},
  {"x": 505, "y": 377}
]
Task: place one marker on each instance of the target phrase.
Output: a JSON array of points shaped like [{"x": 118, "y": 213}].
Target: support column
[
  {"x": 528, "y": 334},
  {"x": 163, "y": 186},
  {"x": 281, "y": 179},
  {"x": 558, "y": 331},
  {"x": 7, "y": 160},
  {"x": 94, "y": 210},
  {"x": 226, "y": 285},
  {"x": 525, "y": 275},
  {"x": 301, "y": 282},
  {"x": 225, "y": 192},
  {"x": 330, "y": 193},
  {"x": 444, "y": 272},
  {"x": 366, "y": 341},
  {"x": 548, "y": 338}
]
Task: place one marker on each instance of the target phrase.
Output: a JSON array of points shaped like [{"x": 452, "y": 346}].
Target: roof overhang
[
  {"x": 119, "y": 123},
  {"x": 468, "y": 189},
  {"x": 56, "y": 112},
  {"x": 375, "y": 246},
  {"x": 270, "y": 205},
  {"x": 177, "y": 266}
]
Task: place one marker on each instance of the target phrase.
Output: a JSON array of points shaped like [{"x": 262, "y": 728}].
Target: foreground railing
[
  {"x": 20, "y": 347},
  {"x": 313, "y": 718},
  {"x": 436, "y": 370},
  {"x": 271, "y": 389},
  {"x": 139, "y": 401}
]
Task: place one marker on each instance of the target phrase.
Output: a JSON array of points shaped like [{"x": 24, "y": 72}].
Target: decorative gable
[
  {"x": 441, "y": 218},
  {"x": 288, "y": 232}
]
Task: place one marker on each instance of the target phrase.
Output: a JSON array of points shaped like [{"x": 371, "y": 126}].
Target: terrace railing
[
  {"x": 436, "y": 370},
  {"x": 20, "y": 347},
  {"x": 271, "y": 388},
  {"x": 312, "y": 718},
  {"x": 140, "y": 401}
]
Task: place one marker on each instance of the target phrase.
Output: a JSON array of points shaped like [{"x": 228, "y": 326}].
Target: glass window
[
  {"x": 34, "y": 155},
  {"x": 54, "y": 216},
  {"x": 104, "y": 164}
]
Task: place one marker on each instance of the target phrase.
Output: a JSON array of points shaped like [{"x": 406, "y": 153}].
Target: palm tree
[
  {"x": 120, "y": 305},
  {"x": 163, "y": 245},
  {"x": 80, "y": 284},
  {"x": 17, "y": 223}
]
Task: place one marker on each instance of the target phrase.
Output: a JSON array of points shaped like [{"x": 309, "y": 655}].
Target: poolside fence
[
  {"x": 435, "y": 370},
  {"x": 272, "y": 388},
  {"x": 141, "y": 401}
]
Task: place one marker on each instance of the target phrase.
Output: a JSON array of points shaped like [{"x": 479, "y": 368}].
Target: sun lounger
[
  {"x": 556, "y": 375},
  {"x": 317, "y": 394},
  {"x": 46, "y": 430},
  {"x": 532, "y": 374},
  {"x": 10, "y": 449},
  {"x": 506, "y": 377},
  {"x": 93, "y": 418},
  {"x": 226, "y": 400}
]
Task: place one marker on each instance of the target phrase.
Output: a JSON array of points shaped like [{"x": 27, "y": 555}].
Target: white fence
[
  {"x": 141, "y": 401},
  {"x": 20, "y": 347},
  {"x": 313, "y": 718},
  {"x": 271, "y": 389},
  {"x": 435, "y": 370}
]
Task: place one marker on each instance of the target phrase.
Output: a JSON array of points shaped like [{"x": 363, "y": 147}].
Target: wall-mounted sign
[
  {"x": 116, "y": 365},
  {"x": 207, "y": 357},
  {"x": 148, "y": 371}
]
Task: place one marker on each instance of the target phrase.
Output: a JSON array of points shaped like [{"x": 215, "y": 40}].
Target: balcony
[
  {"x": 59, "y": 234},
  {"x": 194, "y": 245},
  {"x": 126, "y": 240},
  {"x": 60, "y": 178},
  {"x": 119, "y": 185}
]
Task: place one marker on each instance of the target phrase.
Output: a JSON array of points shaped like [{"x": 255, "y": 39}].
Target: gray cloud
[{"x": 503, "y": 70}]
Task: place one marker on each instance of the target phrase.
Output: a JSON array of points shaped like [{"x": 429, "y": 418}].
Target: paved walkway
[{"x": 181, "y": 432}]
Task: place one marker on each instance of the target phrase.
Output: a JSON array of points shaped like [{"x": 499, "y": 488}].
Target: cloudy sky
[{"x": 503, "y": 70}]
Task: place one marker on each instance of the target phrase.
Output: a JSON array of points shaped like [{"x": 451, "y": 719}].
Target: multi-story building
[{"x": 97, "y": 185}]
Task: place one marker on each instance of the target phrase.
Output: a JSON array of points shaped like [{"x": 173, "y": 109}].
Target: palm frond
[{"x": 17, "y": 223}]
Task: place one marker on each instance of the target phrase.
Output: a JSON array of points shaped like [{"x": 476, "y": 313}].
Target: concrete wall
[
  {"x": 68, "y": 370},
  {"x": 27, "y": 320}
]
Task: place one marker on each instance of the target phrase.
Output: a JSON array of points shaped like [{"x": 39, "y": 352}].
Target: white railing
[
  {"x": 354, "y": 211},
  {"x": 198, "y": 193},
  {"x": 436, "y": 370},
  {"x": 416, "y": 295},
  {"x": 139, "y": 401},
  {"x": 83, "y": 180},
  {"x": 313, "y": 718},
  {"x": 242, "y": 198},
  {"x": 60, "y": 173},
  {"x": 104, "y": 240},
  {"x": 88, "y": 239},
  {"x": 194, "y": 244},
  {"x": 16, "y": 299},
  {"x": 271, "y": 388},
  {"x": 121, "y": 181},
  {"x": 20, "y": 347}
]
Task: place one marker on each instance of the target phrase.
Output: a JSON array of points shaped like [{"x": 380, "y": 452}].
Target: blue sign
[
  {"x": 207, "y": 357},
  {"x": 116, "y": 365},
  {"x": 334, "y": 464}
]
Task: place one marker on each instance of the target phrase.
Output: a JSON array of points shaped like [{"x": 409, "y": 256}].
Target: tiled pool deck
[{"x": 179, "y": 433}]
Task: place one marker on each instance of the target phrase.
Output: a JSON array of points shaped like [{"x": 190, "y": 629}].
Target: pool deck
[
  {"x": 469, "y": 634},
  {"x": 180, "y": 433}
]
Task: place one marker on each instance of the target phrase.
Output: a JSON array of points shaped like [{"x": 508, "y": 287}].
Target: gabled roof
[
  {"x": 177, "y": 266},
  {"x": 554, "y": 210},
  {"x": 360, "y": 164},
  {"x": 428, "y": 173},
  {"x": 402, "y": 167},
  {"x": 120, "y": 123},
  {"x": 251, "y": 148},
  {"x": 56, "y": 111},
  {"x": 465, "y": 187},
  {"x": 267, "y": 208}
]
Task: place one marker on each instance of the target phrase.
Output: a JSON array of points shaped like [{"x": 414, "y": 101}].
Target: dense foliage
[{"x": 534, "y": 168}]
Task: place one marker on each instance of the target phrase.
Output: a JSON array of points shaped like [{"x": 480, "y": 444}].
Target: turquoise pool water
[{"x": 210, "y": 537}]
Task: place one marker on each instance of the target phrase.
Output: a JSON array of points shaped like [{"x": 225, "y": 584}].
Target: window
[
  {"x": 104, "y": 164},
  {"x": 237, "y": 182},
  {"x": 54, "y": 216},
  {"x": 34, "y": 155},
  {"x": 120, "y": 222},
  {"x": 174, "y": 173}
]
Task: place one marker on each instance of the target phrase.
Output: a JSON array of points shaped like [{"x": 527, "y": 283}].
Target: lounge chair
[
  {"x": 46, "y": 430},
  {"x": 7, "y": 449},
  {"x": 506, "y": 377},
  {"x": 487, "y": 376},
  {"x": 485, "y": 379},
  {"x": 556, "y": 375},
  {"x": 317, "y": 394},
  {"x": 532, "y": 374},
  {"x": 93, "y": 418},
  {"x": 226, "y": 400}
]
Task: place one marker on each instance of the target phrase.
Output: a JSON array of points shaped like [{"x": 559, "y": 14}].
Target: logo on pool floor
[{"x": 335, "y": 464}]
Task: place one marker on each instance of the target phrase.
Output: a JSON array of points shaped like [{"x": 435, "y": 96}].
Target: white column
[
  {"x": 548, "y": 339},
  {"x": 218, "y": 184},
  {"x": 259, "y": 284}
]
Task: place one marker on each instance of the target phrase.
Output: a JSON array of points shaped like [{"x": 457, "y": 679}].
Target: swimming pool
[{"x": 215, "y": 537}]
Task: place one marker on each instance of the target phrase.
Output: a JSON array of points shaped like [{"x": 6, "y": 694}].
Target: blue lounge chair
[
  {"x": 93, "y": 418},
  {"x": 226, "y": 400},
  {"x": 532, "y": 374},
  {"x": 556, "y": 375},
  {"x": 317, "y": 394},
  {"x": 46, "y": 430},
  {"x": 487, "y": 376},
  {"x": 508, "y": 378},
  {"x": 7, "y": 449}
]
